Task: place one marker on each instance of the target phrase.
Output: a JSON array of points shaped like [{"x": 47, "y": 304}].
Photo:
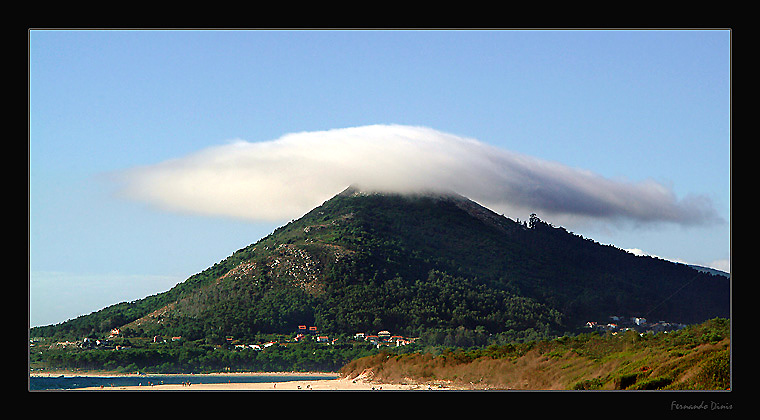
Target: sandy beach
[
  {"x": 339, "y": 384},
  {"x": 320, "y": 385}
]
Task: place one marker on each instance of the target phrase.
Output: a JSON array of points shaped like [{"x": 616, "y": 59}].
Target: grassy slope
[{"x": 694, "y": 358}]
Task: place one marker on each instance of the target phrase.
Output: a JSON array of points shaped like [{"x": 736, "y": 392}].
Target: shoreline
[
  {"x": 100, "y": 373},
  {"x": 340, "y": 384},
  {"x": 333, "y": 382}
]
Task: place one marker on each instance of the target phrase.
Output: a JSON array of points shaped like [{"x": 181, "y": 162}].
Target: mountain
[{"x": 416, "y": 264}]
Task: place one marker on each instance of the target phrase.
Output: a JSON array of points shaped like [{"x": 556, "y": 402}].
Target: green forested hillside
[{"x": 428, "y": 266}]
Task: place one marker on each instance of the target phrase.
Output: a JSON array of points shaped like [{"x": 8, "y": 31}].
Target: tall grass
[{"x": 697, "y": 357}]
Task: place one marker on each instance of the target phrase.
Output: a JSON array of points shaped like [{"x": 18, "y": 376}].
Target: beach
[
  {"x": 196, "y": 383},
  {"x": 319, "y": 385}
]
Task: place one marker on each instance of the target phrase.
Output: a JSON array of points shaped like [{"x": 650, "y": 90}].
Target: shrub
[
  {"x": 626, "y": 380},
  {"x": 715, "y": 372},
  {"x": 586, "y": 384},
  {"x": 654, "y": 383}
]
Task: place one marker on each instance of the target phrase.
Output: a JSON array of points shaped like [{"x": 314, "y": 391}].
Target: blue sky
[{"x": 642, "y": 112}]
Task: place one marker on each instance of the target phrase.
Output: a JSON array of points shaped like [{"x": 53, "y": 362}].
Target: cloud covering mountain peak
[{"x": 284, "y": 178}]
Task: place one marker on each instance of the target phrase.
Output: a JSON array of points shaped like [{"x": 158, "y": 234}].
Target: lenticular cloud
[{"x": 284, "y": 178}]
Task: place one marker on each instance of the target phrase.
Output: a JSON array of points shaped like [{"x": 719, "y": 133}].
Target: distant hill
[
  {"x": 710, "y": 270},
  {"x": 427, "y": 264}
]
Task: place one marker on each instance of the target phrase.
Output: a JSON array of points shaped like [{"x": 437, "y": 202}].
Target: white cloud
[
  {"x": 640, "y": 253},
  {"x": 637, "y": 252},
  {"x": 284, "y": 178},
  {"x": 722, "y": 265}
]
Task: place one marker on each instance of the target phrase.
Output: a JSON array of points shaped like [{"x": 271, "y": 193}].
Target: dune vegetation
[{"x": 696, "y": 357}]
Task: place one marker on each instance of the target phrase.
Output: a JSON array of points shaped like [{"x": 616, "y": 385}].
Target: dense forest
[{"x": 197, "y": 357}]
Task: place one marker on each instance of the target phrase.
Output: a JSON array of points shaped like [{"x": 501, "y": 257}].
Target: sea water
[{"x": 44, "y": 383}]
